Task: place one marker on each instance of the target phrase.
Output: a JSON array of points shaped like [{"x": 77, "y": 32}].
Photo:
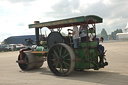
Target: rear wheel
[{"x": 61, "y": 59}]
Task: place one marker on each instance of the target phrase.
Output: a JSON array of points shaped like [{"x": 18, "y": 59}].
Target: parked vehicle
[
  {"x": 19, "y": 46},
  {"x": 4, "y": 48}
]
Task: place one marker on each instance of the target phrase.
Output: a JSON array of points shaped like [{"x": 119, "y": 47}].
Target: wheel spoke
[
  {"x": 61, "y": 68},
  {"x": 67, "y": 59},
  {"x": 55, "y": 53},
  {"x": 60, "y": 51},
  {"x": 55, "y": 64},
  {"x": 65, "y": 56},
  {"x": 54, "y": 56},
  {"x": 65, "y": 63},
  {"x": 64, "y": 51},
  {"x": 53, "y": 60}
]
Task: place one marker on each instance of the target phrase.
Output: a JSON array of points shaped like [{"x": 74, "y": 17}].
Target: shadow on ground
[{"x": 99, "y": 77}]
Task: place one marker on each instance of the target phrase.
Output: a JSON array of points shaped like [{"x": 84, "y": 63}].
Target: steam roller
[{"x": 58, "y": 50}]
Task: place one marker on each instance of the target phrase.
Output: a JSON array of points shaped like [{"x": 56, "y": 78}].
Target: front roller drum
[
  {"x": 30, "y": 61},
  {"x": 61, "y": 59}
]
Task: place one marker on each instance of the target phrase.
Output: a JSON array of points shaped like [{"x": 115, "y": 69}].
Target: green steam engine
[{"x": 58, "y": 50}]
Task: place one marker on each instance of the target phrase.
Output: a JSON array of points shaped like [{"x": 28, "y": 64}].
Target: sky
[{"x": 16, "y": 15}]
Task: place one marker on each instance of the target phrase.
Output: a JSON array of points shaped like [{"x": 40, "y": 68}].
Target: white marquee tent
[{"x": 123, "y": 36}]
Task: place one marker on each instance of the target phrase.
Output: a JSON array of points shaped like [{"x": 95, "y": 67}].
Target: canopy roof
[{"x": 90, "y": 19}]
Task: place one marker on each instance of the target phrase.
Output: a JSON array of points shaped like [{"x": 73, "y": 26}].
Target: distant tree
[
  {"x": 109, "y": 37},
  {"x": 104, "y": 34},
  {"x": 119, "y": 31},
  {"x": 113, "y": 34}
]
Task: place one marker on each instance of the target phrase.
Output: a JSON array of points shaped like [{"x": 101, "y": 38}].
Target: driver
[{"x": 75, "y": 34}]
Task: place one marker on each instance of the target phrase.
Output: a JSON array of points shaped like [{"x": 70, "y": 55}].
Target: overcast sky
[{"x": 15, "y": 15}]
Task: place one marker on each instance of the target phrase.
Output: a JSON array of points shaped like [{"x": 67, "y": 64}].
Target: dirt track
[{"x": 116, "y": 73}]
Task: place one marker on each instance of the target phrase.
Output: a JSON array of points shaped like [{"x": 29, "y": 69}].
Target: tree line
[{"x": 111, "y": 36}]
